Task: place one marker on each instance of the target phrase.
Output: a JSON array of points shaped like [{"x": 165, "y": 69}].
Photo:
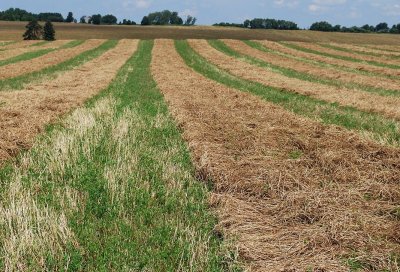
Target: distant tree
[
  {"x": 246, "y": 24},
  {"x": 127, "y": 22},
  {"x": 49, "y": 34},
  {"x": 109, "y": 19},
  {"x": 50, "y": 16},
  {"x": 175, "y": 19},
  {"x": 70, "y": 17},
  {"x": 382, "y": 27},
  {"x": 16, "y": 14},
  {"x": 190, "y": 20},
  {"x": 337, "y": 28},
  {"x": 259, "y": 23},
  {"x": 82, "y": 20},
  {"x": 96, "y": 19},
  {"x": 34, "y": 31},
  {"x": 145, "y": 21},
  {"x": 322, "y": 26},
  {"x": 395, "y": 29}
]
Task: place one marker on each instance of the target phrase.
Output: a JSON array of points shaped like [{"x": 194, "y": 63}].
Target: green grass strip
[
  {"x": 338, "y": 48},
  {"x": 292, "y": 73},
  {"x": 155, "y": 218},
  {"x": 18, "y": 83},
  {"x": 36, "y": 54},
  {"x": 315, "y": 52},
  {"x": 26, "y": 56},
  {"x": 380, "y": 128}
]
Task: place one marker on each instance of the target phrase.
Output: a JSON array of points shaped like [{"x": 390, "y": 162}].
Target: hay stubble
[
  {"x": 288, "y": 212},
  {"x": 25, "y": 113}
]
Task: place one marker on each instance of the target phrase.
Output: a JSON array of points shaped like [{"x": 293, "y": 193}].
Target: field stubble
[
  {"x": 388, "y": 106},
  {"x": 279, "y": 186},
  {"x": 25, "y": 112}
]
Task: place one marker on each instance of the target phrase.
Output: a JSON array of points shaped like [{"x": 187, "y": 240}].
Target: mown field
[{"x": 199, "y": 155}]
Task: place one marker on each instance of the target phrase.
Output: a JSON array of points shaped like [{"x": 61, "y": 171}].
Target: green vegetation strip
[
  {"x": 36, "y": 54},
  {"x": 292, "y": 73},
  {"x": 338, "y": 48},
  {"x": 121, "y": 175},
  {"x": 374, "y": 125},
  {"x": 312, "y": 51},
  {"x": 18, "y": 83}
]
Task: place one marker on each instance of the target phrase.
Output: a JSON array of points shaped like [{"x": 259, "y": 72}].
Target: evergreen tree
[
  {"x": 70, "y": 17},
  {"x": 49, "y": 32},
  {"x": 33, "y": 31}
]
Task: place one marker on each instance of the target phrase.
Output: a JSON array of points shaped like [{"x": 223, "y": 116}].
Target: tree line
[
  {"x": 379, "y": 28},
  {"x": 258, "y": 23},
  {"x": 165, "y": 17}
]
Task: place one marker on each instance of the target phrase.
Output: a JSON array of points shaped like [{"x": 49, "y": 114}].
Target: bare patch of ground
[
  {"x": 23, "y": 114},
  {"x": 330, "y": 73},
  {"x": 329, "y": 60},
  {"x": 296, "y": 194},
  {"x": 23, "y": 67},
  {"x": 389, "y": 106}
]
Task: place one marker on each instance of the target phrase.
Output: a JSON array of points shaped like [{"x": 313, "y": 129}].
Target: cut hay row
[
  {"x": 370, "y": 66},
  {"x": 389, "y": 106},
  {"x": 365, "y": 50},
  {"x": 372, "y": 126},
  {"x": 53, "y": 58},
  {"x": 24, "y": 113},
  {"x": 111, "y": 188},
  {"x": 386, "y": 48},
  {"x": 311, "y": 55},
  {"x": 21, "y": 44},
  {"x": 292, "y": 191},
  {"x": 337, "y": 77},
  {"x": 341, "y": 54},
  {"x": 19, "y": 82},
  {"x": 19, "y": 51}
]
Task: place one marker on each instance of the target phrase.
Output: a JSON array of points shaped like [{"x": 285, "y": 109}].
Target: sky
[{"x": 303, "y": 12}]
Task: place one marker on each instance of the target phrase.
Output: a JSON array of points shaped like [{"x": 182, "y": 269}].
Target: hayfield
[{"x": 199, "y": 155}]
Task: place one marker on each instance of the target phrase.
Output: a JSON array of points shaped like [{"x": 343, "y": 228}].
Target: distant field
[
  {"x": 199, "y": 155},
  {"x": 14, "y": 31}
]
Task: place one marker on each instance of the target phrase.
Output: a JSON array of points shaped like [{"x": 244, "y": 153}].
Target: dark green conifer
[
  {"x": 34, "y": 31},
  {"x": 49, "y": 33}
]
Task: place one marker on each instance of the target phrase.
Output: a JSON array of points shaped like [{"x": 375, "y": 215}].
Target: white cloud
[
  {"x": 286, "y": 3},
  {"x": 324, "y": 5},
  {"x": 143, "y": 3}
]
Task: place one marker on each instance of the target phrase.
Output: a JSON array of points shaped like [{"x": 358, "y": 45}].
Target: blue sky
[{"x": 304, "y": 12}]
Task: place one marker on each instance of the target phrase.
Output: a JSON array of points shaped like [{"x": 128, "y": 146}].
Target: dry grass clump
[
  {"x": 338, "y": 62},
  {"x": 298, "y": 195},
  {"x": 25, "y": 113},
  {"x": 388, "y": 106},
  {"x": 301, "y": 66}
]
